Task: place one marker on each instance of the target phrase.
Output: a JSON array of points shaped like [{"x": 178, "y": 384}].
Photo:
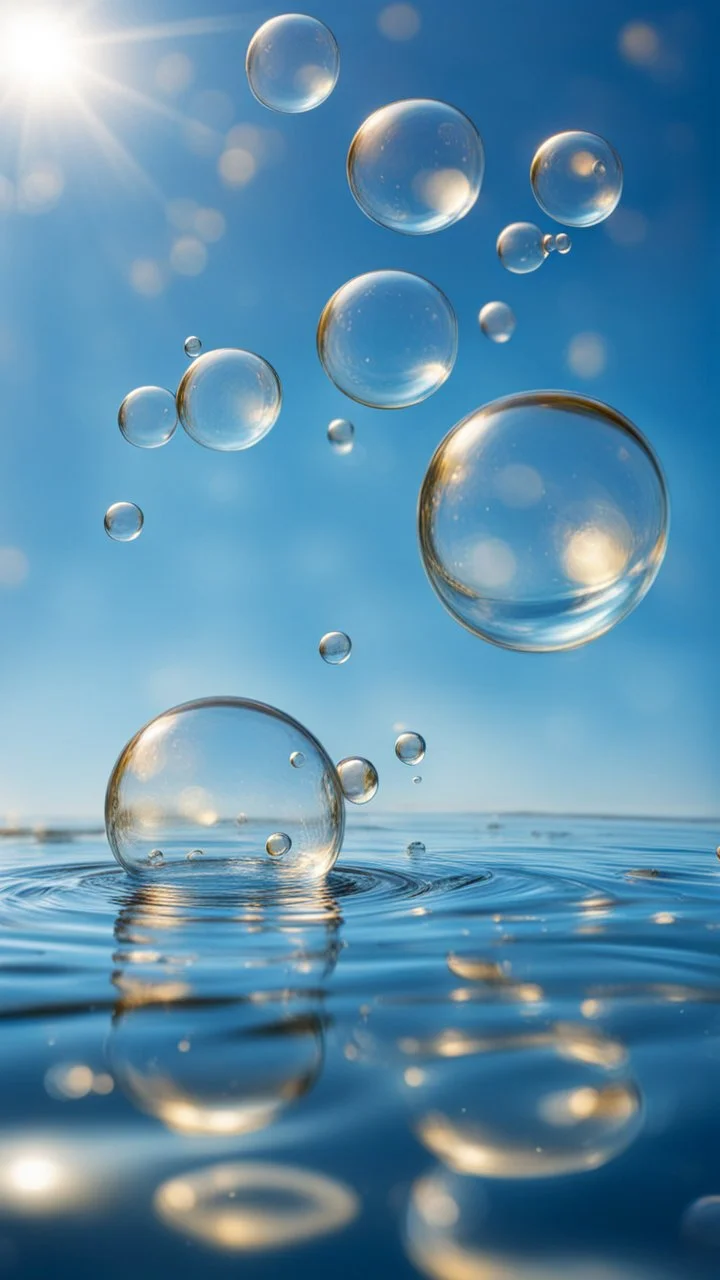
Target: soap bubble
[
  {"x": 192, "y": 347},
  {"x": 292, "y": 63},
  {"x": 147, "y": 417},
  {"x": 124, "y": 522},
  {"x": 410, "y": 747},
  {"x": 358, "y": 779},
  {"x": 577, "y": 178},
  {"x": 278, "y": 844},
  {"x": 563, "y": 243},
  {"x": 497, "y": 321},
  {"x": 417, "y": 780},
  {"x": 182, "y": 781},
  {"x": 522, "y": 247},
  {"x": 335, "y": 648},
  {"x": 229, "y": 399},
  {"x": 415, "y": 847},
  {"x": 297, "y": 760},
  {"x": 416, "y": 166},
  {"x": 341, "y": 433},
  {"x": 543, "y": 520},
  {"x": 388, "y": 339}
]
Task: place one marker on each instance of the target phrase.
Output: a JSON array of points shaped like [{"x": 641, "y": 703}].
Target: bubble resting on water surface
[
  {"x": 388, "y": 339},
  {"x": 522, "y": 247},
  {"x": 124, "y": 522},
  {"x": 416, "y": 166},
  {"x": 358, "y": 779},
  {"x": 543, "y": 520},
  {"x": 577, "y": 178},
  {"x": 341, "y": 434},
  {"x": 497, "y": 321},
  {"x": 410, "y": 747},
  {"x": 147, "y": 417},
  {"x": 229, "y": 399},
  {"x": 335, "y": 648},
  {"x": 415, "y": 847},
  {"x": 192, "y": 347},
  {"x": 181, "y": 782},
  {"x": 292, "y": 63}
]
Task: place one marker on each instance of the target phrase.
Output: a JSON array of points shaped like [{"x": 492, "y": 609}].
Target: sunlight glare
[{"x": 39, "y": 52}]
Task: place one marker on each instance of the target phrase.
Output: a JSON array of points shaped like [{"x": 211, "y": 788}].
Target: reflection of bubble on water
[
  {"x": 416, "y": 166},
  {"x": 358, "y": 779},
  {"x": 147, "y": 417},
  {"x": 184, "y": 780},
  {"x": 335, "y": 648},
  {"x": 228, "y": 399},
  {"x": 577, "y": 178},
  {"x": 543, "y": 520},
  {"x": 192, "y": 347},
  {"x": 292, "y": 63},
  {"x": 388, "y": 339},
  {"x": 248, "y": 1207},
  {"x": 124, "y": 522},
  {"x": 410, "y": 747},
  {"x": 497, "y": 321},
  {"x": 522, "y": 247},
  {"x": 341, "y": 434}
]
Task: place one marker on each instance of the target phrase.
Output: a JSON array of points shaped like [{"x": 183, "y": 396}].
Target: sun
[{"x": 39, "y": 53}]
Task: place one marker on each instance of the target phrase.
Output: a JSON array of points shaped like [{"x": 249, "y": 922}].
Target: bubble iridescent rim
[
  {"x": 579, "y": 404},
  {"x": 327, "y": 310},
  {"x": 196, "y": 705},
  {"x": 357, "y": 139}
]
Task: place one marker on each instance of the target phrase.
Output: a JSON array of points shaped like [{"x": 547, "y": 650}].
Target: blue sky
[{"x": 247, "y": 559}]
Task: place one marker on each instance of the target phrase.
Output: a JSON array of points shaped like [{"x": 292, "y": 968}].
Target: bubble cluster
[
  {"x": 124, "y": 522},
  {"x": 416, "y": 166},
  {"x": 388, "y": 339},
  {"x": 358, "y": 779},
  {"x": 497, "y": 321},
  {"x": 335, "y": 648},
  {"x": 522, "y": 247},
  {"x": 341, "y": 435},
  {"x": 228, "y": 399},
  {"x": 410, "y": 747},
  {"x": 185, "y": 781},
  {"x": 543, "y": 520},
  {"x": 577, "y": 178},
  {"x": 192, "y": 347},
  {"x": 292, "y": 63},
  {"x": 147, "y": 417}
]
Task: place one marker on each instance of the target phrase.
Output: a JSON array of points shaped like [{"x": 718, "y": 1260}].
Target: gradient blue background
[{"x": 247, "y": 559}]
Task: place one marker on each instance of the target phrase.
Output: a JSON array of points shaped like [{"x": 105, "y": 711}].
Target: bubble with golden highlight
[
  {"x": 543, "y": 520},
  {"x": 229, "y": 399},
  {"x": 416, "y": 166},
  {"x": 292, "y": 63},
  {"x": 577, "y": 178},
  {"x": 388, "y": 339},
  {"x": 182, "y": 781}
]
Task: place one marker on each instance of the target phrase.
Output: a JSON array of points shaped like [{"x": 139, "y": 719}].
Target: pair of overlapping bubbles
[{"x": 226, "y": 400}]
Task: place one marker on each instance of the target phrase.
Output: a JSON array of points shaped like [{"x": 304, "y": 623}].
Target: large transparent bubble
[
  {"x": 388, "y": 339},
  {"x": 577, "y": 178},
  {"x": 201, "y": 789},
  {"x": 543, "y": 520},
  {"x": 229, "y": 399},
  {"x": 416, "y": 166},
  {"x": 292, "y": 63}
]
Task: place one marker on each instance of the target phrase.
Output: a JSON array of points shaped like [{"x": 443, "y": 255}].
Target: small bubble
[
  {"x": 335, "y": 648},
  {"x": 417, "y": 779},
  {"x": 192, "y": 347},
  {"x": 358, "y": 779},
  {"x": 497, "y": 321},
  {"x": 577, "y": 178},
  {"x": 340, "y": 433},
  {"x": 410, "y": 747},
  {"x": 147, "y": 417},
  {"x": 549, "y": 244},
  {"x": 563, "y": 243},
  {"x": 194, "y": 854},
  {"x": 241, "y": 819},
  {"x": 522, "y": 247},
  {"x": 278, "y": 844},
  {"x": 599, "y": 169},
  {"x": 124, "y": 522},
  {"x": 292, "y": 63},
  {"x": 297, "y": 759},
  {"x": 415, "y": 847},
  {"x": 155, "y": 857}
]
